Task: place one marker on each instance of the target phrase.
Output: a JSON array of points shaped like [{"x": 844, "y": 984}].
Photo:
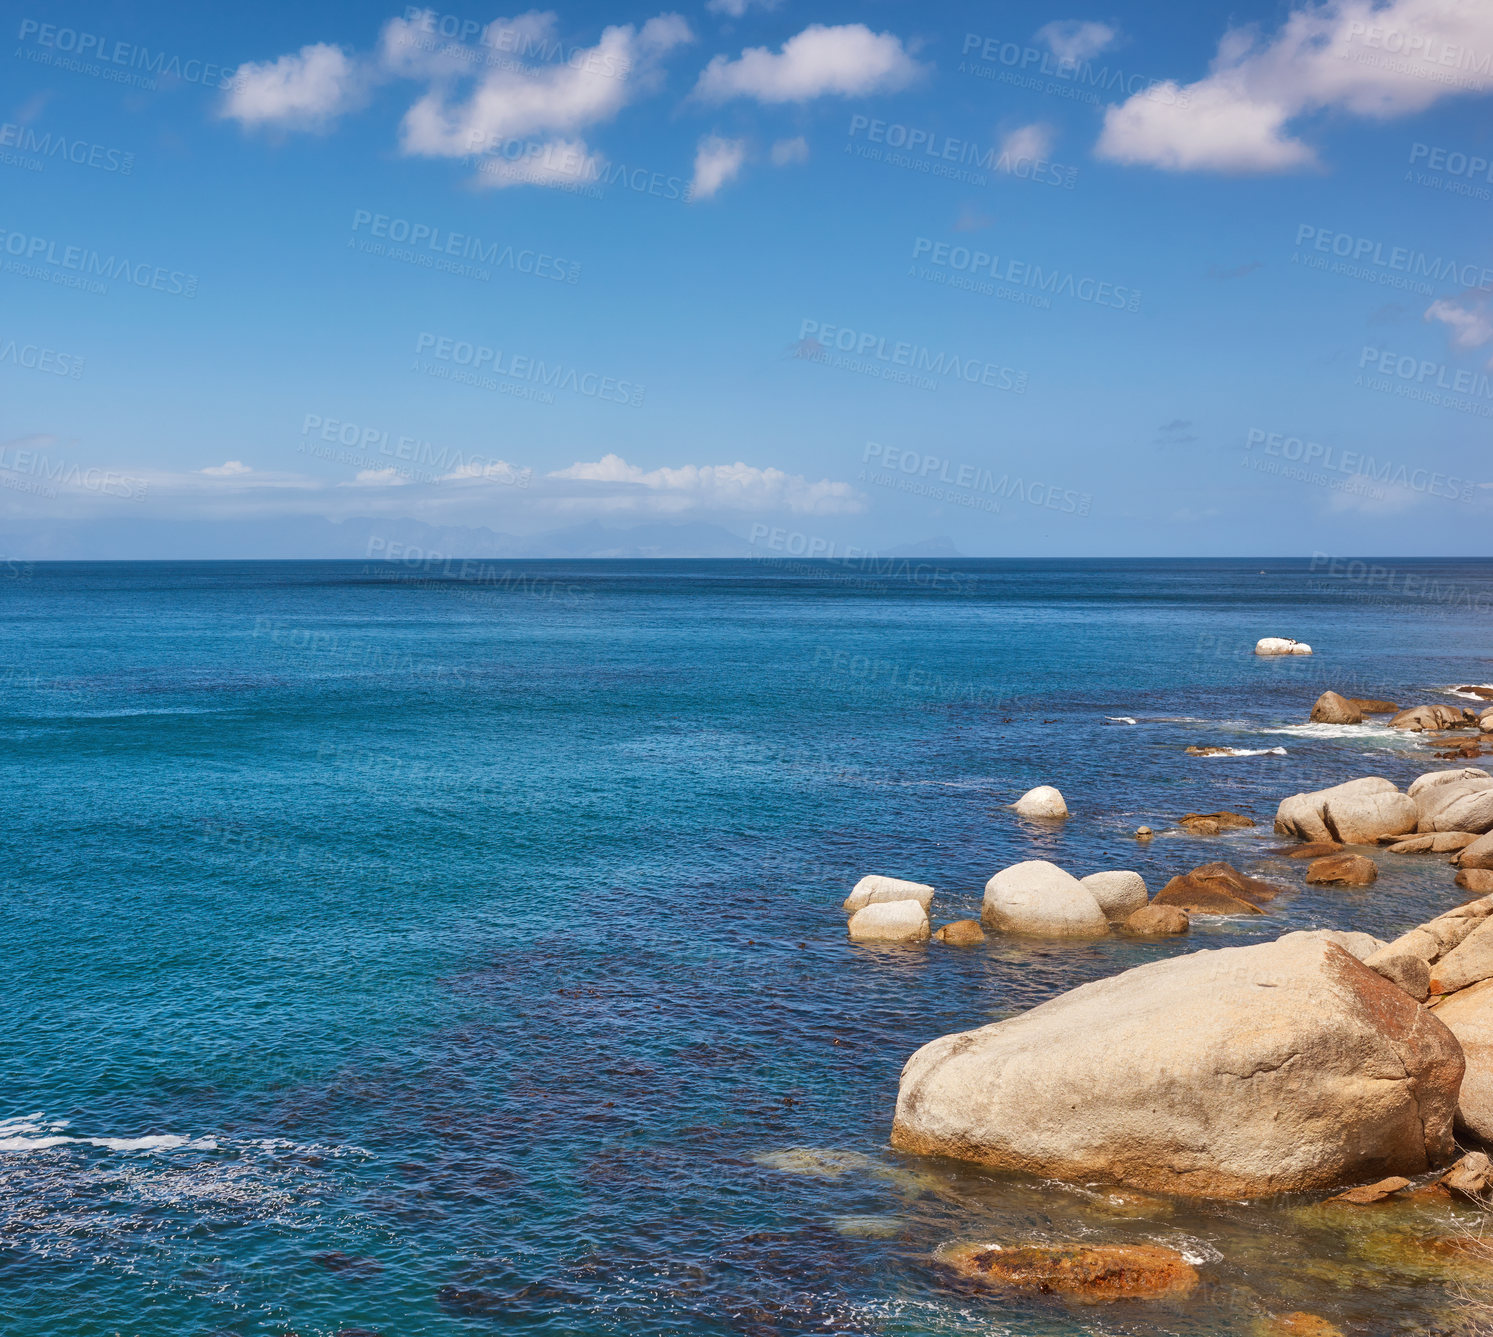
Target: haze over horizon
[{"x": 747, "y": 278}]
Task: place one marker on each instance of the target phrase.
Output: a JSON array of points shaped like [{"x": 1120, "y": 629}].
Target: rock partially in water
[
  {"x": 1283, "y": 1067},
  {"x": 1088, "y": 1272},
  {"x": 874, "y": 889},
  {"x": 1211, "y": 823},
  {"x": 1154, "y": 921},
  {"x": 1316, "y": 849},
  {"x": 1454, "y": 801},
  {"x": 1479, "y": 854},
  {"x": 1331, "y": 708},
  {"x": 890, "y": 921},
  {"x": 1355, "y": 813},
  {"x": 1369, "y": 705},
  {"x": 1365, "y": 1194},
  {"x": 1345, "y": 870},
  {"x": 1043, "y": 801},
  {"x": 1475, "y": 879},
  {"x": 1418, "y": 719},
  {"x": 1281, "y": 645},
  {"x": 1298, "y": 1323},
  {"x": 1217, "y": 889},
  {"x": 961, "y": 933},
  {"x": 1119, "y": 893},
  {"x": 1435, "y": 842},
  {"x": 1038, "y": 897},
  {"x": 1472, "y": 1176},
  {"x": 1143, "y": 833}
]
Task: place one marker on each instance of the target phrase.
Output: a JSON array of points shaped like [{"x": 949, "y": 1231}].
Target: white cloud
[
  {"x": 1362, "y": 57},
  {"x": 228, "y": 469},
  {"x": 846, "y": 61},
  {"x": 561, "y": 163},
  {"x": 1467, "y": 318},
  {"x": 736, "y": 9},
  {"x": 1028, "y": 144},
  {"x": 730, "y": 487},
  {"x": 518, "y": 98},
  {"x": 305, "y": 91},
  {"x": 787, "y": 151},
  {"x": 1075, "y": 39},
  {"x": 377, "y": 478},
  {"x": 717, "y": 161}
]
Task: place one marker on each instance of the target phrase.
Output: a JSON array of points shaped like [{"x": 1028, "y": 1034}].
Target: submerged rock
[
  {"x": 1089, "y": 1272},
  {"x": 1155, "y": 921},
  {"x": 1334, "y": 709},
  {"x": 1119, "y": 893},
  {"x": 1043, "y": 801},
  {"x": 889, "y": 921},
  {"x": 872, "y": 889},
  {"x": 1365, "y": 1194},
  {"x": 1040, "y": 898},
  {"x": 1347, "y": 870},
  {"x": 1315, "y": 849},
  {"x": 961, "y": 933},
  {"x": 1298, "y": 1323},
  {"x": 1211, "y": 823},
  {"x": 1355, "y": 813},
  {"x": 1283, "y": 1067}
]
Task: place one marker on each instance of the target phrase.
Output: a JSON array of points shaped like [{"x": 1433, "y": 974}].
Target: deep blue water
[{"x": 470, "y": 937}]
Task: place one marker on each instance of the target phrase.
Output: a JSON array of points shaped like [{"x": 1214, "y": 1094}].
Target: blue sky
[{"x": 1065, "y": 280}]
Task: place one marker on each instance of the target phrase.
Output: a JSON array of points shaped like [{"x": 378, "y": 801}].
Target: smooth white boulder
[
  {"x": 1355, "y": 813},
  {"x": 1038, "y": 897},
  {"x": 1281, "y": 645},
  {"x": 1120, "y": 894},
  {"x": 890, "y": 921},
  {"x": 1043, "y": 801},
  {"x": 873, "y": 888},
  {"x": 1284, "y": 1067}
]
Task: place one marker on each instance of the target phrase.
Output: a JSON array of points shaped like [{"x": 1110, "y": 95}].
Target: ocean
[{"x": 456, "y": 948}]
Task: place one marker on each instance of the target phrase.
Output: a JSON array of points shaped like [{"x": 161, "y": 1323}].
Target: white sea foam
[
  {"x": 1119, "y": 719},
  {"x": 1379, "y": 733},
  {"x": 1470, "y": 696},
  {"x": 1244, "y": 752},
  {"x": 31, "y": 1133}
]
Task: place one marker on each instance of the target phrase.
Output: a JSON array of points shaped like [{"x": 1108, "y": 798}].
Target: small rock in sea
[
  {"x": 1155, "y": 921},
  {"x": 1298, "y": 1323},
  {"x": 1211, "y": 823},
  {"x": 873, "y": 888},
  {"x": 961, "y": 933},
  {"x": 1119, "y": 893},
  {"x": 1217, "y": 889},
  {"x": 1368, "y": 706},
  {"x": 1371, "y": 1193},
  {"x": 1281, "y": 645},
  {"x": 1144, "y": 833},
  {"x": 1419, "y": 719},
  {"x": 868, "y": 1227},
  {"x": 1038, "y": 897},
  {"x": 1345, "y": 870},
  {"x": 1043, "y": 801},
  {"x": 889, "y": 921},
  {"x": 1314, "y": 849},
  {"x": 1472, "y": 1176},
  {"x": 1476, "y": 879},
  {"x": 1334, "y": 709},
  {"x": 1082, "y": 1271}
]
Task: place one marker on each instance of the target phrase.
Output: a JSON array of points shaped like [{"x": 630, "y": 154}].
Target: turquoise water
[{"x": 450, "y": 950}]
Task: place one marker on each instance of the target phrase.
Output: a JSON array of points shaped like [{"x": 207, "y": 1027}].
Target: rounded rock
[
  {"x": 1043, "y": 801},
  {"x": 1120, "y": 893},
  {"x": 889, "y": 921}
]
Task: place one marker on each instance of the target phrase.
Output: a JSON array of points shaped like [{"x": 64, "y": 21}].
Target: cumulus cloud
[
  {"x": 728, "y": 487},
  {"x": 1468, "y": 319},
  {"x": 305, "y": 91},
  {"x": 1028, "y": 144},
  {"x": 1361, "y": 57},
  {"x": 1075, "y": 39},
  {"x": 845, "y": 61},
  {"x": 717, "y": 161},
  {"x": 548, "y": 99},
  {"x": 787, "y": 151}
]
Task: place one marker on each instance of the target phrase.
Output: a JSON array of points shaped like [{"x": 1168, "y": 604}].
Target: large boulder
[
  {"x": 1043, "y": 801},
  {"x": 1454, "y": 801},
  {"x": 1355, "y": 813},
  {"x": 1419, "y": 719},
  {"x": 1469, "y": 1016},
  {"x": 1040, "y": 898},
  {"x": 1334, "y": 709},
  {"x": 872, "y": 889},
  {"x": 889, "y": 921},
  {"x": 1119, "y": 894},
  {"x": 1281, "y": 645},
  {"x": 1369, "y": 705},
  {"x": 1284, "y": 1067},
  {"x": 1216, "y": 889}
]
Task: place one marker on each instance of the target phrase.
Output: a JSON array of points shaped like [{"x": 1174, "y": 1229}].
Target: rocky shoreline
[{"x": 1326, "y": 1063}]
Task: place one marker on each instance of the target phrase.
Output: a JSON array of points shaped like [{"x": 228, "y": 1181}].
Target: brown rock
[
  {"x": 1368, "y": 706},
  {"x": 1082, "y": 1271},
  {"x": 1345, "y": 870},
  {"x": 1472, "y": 1176},
  {"x": 1469, "y": 1016},
  {"x": 1432, "y": 842},
  {"x": 1154, "y": 921},
  {"x": 1479, "y": 854},
  {"x": 1486, "y": 693},
  {"x": 1368, "y": 1193},
  {"x": 1476, "y": 879},
  {"x": 1299, "y": 1323},
  {"x": 1217, "y": 889},
  {"x": 1419, "y": 719},
  {"x": 1314, "y": 849},
  {"x": 1407, "y": 971},
  {"x": 1211, "y": 823},
  {"x": 1334, "y": 709},
  {"x": 1144, "y": 833},
  {"x": 961, "y": 933}
]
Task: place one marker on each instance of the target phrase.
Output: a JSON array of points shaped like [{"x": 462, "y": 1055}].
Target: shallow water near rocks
[{"x": 418, "y": 956}]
